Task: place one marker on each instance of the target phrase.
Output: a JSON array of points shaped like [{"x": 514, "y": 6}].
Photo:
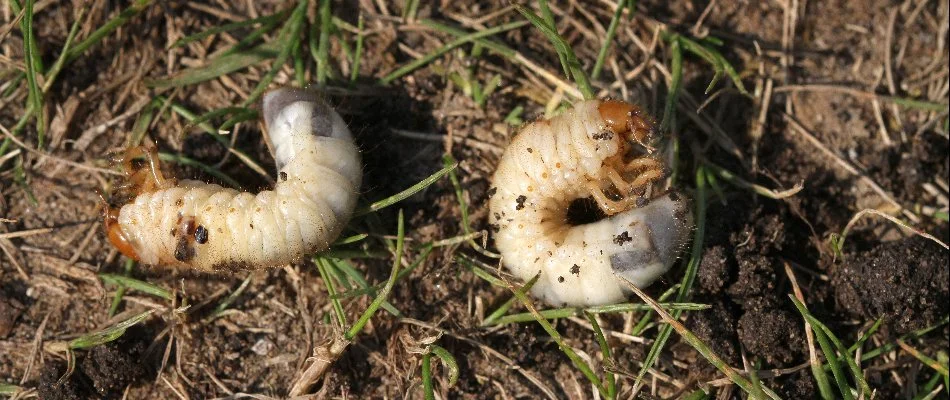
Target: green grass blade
[
  {"x": 9, "y": 389},
  {"x": 34, "y": 67},
  {"x": 701, "y": 347},
  {"x": 492, "y": 45},
  {"x": 379, "y": 205},
  {"x": 493, "y": 318},
  {"x": 142, "y": 122},
  {"x": 676, "y": 80},
  {"x": 939, "y": 367},
  {"x": 644, "y": 321},
  {"x": 291, "y": 36},
  {"x": 548, "y": 18},
  {"x": 347, "y": 268},
  {"x": 569, "y": 60},
  {"x": 323, "y": 266},
  {"x": 381, "y": 297},
  {"x": 449, "y": 161},
  {"x": 232, "y": 297},
  {"x": 557, "y": 313},
  {"x": 611, "y": 33},
  {"x": 867, "y": 335},
  {"x": 109, "y": 334},
  {"x": 567, "y": 350},
  {"x": 264, "y": 20},
  {"x": 351, "y": 239},
  {"x": 605, "y": 351},
  {"x": 218, "y": 66},
  {"x": 358, "y": 54},
  {"x": 427, "y": 387},
  {"x": 136, "y": 284},
  {"x": 868, "y": 355},
  {"x": 449, "y": 361},
  {"x": 323, "y": 48},
  {"x": 412, "y": 66},
  {"x": 61, "y": 60},
  {"x": 120, "y": 292},
  {"x": 828, "y": 350},
  {"x": 106, "y": 29}
]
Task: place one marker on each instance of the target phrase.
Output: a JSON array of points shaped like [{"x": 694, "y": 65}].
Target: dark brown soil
[
  {"x": 832, "y": 77},
  {"x": 906, "y": 282}
]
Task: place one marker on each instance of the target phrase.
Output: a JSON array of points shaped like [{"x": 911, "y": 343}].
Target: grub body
[
  {"x": 208, "y": 227},
  {"x": 582, "y": 153}
]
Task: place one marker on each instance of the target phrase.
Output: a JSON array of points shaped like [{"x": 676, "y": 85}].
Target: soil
[{"x": 753, "y": 245}]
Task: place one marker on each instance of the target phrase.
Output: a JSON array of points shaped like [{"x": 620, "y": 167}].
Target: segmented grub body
[
  {"x": 208, "y": 227},
  {"x": 598, "y": 149}
]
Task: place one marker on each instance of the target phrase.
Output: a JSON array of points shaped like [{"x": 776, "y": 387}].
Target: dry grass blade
[
  {"x": 941, "y": 368},
  {"x": 758, "y": 189},
  {"x": 28, "y": 232},
  {"x": 821, "y": 378},
  {"x": 837, "y": 241}
]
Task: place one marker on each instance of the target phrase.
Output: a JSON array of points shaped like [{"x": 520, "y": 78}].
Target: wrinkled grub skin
[{"x": 905, "y": 281}]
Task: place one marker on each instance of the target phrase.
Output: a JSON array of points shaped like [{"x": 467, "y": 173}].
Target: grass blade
[
  {"x": 573, "y": 312},
  {"x": 34, "y": 67},
  {"x": 264, "y": 20},
  {"x": 676, "y": 80},
  {"x": 379, "y": 205},
  {"x": 569, "y": 60},
  {"x": 605, "y": 351},
  {"x": 381, "y": 297},
  {"x": 180, "y": 159},
  {"x": 107, "y": 29},
  {"x": 9, "y": 389},
  {"x": 230, "y": 299},
  {"x": 567, "y": 350},
  {"x": 323, "y": 266},
  {"x": 611, "y": 33},
  {"x": 699, "y": 345},
  {"x": 289, "y": 35},
  {"x": 827, "y": 349},
  {"x": 493, "y": 318},
  {"x": 412, "y": 66},
  {"x": 218, "y": 66},
  {"x": 358, "y": 54},
  {"x": 447, "y": 359},
  {"x": 135, "y": 284},
  {"x": 61, "y": 61},
  {"x": 323, "y": 48},
  {"x": 109, "y": 334}
]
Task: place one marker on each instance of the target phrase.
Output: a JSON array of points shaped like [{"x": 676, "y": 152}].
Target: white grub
[
  {"x": 595, "y": 147},
  {"x": 207, "y": 227}
]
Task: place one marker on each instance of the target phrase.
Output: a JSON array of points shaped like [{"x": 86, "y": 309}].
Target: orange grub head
[{"x": 628, "y": 120}]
